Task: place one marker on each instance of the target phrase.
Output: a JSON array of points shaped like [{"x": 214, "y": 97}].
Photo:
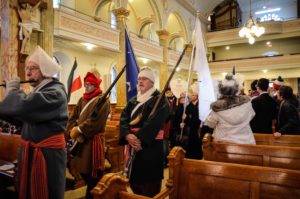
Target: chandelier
[{"x": 251, "y": 29}]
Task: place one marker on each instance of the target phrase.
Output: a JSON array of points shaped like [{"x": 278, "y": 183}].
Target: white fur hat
[
  {"x": 44, "y": 61},
  {"x": 148, "y": 73}
]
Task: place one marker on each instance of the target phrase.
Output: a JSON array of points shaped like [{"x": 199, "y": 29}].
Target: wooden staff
[
  {"x": 73, "y": 147},
  {"x": 21, "y": 82}
]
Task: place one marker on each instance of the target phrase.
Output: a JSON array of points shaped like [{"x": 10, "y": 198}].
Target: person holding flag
[
  {"x": 143, "y": 136},
  {"x": 87, "y": 130}
]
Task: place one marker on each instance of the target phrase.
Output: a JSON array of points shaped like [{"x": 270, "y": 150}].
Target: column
[
  {"x": 9, "y": 41},
  {"x": 45, "y": 39},
  {"x": 163, "y": 68},
  {"x": 121, "y": 15}
]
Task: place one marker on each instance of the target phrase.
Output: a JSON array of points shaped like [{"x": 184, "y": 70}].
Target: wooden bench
[
  {"x": 9, "y": 145},
  {"x": 284, "y": 140},
  {"x": 197, "y": 179},
  {"x": 261, "y": 155}
]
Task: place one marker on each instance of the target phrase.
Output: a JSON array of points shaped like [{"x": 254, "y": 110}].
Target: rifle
[
  {"x": 128, "y": 166},
  {"x": 73, "y": 146}
]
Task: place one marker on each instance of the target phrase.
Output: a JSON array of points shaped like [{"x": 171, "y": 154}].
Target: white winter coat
[{"x": 232, "y": 124}]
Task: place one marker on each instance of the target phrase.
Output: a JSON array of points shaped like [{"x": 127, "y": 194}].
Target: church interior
[{"x": 92, "y": 33}]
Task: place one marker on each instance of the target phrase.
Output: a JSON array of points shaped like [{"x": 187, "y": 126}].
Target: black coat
[
  {"x": 265, "y": 108},
  {"x": 288, "y": 118},
  {"x": 148, "y": 163},
  {"x": 194, "y": 149}
]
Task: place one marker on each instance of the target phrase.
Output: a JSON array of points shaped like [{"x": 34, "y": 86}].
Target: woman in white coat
[{"x": 231, "y": 114}]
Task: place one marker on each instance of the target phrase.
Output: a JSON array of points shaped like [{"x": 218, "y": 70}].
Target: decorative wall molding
[
  {"x": 267, "y": 63},
  {"x": 69, "y": 25},
  {"x": 146, "y": 49},
  {"x": 274, "y": 30}
]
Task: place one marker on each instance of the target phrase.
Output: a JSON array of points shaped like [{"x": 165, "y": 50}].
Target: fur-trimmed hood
[{"x": 229, "y": 102}]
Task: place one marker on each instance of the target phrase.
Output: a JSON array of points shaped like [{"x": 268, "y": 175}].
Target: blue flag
[{"x": 131, "y": 70}]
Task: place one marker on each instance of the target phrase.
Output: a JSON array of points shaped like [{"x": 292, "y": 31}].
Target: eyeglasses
[{"x": 31, "y": 69}]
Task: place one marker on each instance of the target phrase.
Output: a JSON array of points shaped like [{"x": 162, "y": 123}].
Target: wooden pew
[
  {"x": 9, "y": 145},
  {"x": 115, "y": 151},
  {"x": 197, "y": 179},
  {"x": 261, "y": 155},
  {"x": 284, "y": 140}
]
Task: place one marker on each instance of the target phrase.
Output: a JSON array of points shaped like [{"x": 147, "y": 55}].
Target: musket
[
  {"x": 128, "y": 166},
  {"x": 73, "y": 147},
  {"x": 21, "y": 82}
]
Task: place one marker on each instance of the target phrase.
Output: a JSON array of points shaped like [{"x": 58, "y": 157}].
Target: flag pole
[{"x": 189, "y": 79}]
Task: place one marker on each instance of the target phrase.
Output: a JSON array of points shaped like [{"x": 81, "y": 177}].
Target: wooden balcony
[{"x": 274, "y": 30}]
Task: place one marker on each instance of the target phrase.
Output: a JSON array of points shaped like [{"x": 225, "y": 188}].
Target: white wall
[{"x": 86, "y": 62}]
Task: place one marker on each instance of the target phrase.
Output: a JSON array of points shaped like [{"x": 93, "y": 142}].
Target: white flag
[{"x": 206, "y": 89}]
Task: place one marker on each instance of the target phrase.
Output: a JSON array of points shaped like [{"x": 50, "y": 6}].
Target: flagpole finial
[{"x": 198, "y": 13}]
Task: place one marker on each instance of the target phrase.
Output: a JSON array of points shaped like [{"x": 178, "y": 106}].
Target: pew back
[
  {"x": 9, "y": 145},
  {"x": 196, "y": 179},
  {"x": 284, "y": 140},
  {"x": 261, "y": 155}
]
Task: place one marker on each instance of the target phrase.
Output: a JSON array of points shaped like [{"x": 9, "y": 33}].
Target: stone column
[
  {"x": 9, "y": 41},
  {"x": 163, "y": 68},
  {"x": 45, "y": 39},
  {"x": 121, "y": 15}
]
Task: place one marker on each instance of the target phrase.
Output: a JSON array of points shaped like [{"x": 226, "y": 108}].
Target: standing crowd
[{"x": 147, "y": 131}]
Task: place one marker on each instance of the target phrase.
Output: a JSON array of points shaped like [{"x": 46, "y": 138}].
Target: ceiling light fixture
[
  {"x": 251, "y": 29},
  {"x": 89, "y": 46}
]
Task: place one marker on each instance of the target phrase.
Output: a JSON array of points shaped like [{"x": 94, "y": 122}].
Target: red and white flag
[{"x": 74, "y": 80}]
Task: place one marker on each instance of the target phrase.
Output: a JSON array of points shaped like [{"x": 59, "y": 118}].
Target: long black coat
[
  {"x": 194, "y": 150},
  {"x": 148, "y": 163},
  {"x": 265, "y": 108}
]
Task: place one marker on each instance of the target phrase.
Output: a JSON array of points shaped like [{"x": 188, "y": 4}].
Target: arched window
[
  {"x": 57, "y": 76},
  {"x": 113, "y": 20},
  {"x": 56, "y": 3},
  {"x": 113, "y": 93}
]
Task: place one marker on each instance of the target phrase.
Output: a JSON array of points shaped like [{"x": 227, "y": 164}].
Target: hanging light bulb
[
  {"x": 251, "y": 40},
  {"x": 251, "y": 29}
]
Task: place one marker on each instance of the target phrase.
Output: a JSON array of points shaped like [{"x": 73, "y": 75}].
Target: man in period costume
[
  {"x": 43, "y": 113},
  {"x": 143, "y": 136},
  {"x": 88, "y": 131}
]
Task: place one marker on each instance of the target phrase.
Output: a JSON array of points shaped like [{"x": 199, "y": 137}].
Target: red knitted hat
[
  {"x": 91, "y": 78},
  {"x": 278, "y": 83}
]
